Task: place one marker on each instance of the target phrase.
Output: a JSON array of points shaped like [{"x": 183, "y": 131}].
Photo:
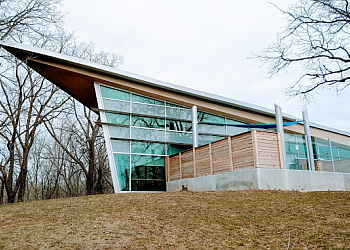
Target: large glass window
[
  {"x": 122, "y": 164},
  {"x": 147, "y": 173},
  {"x": 148, "y": 148},
  {"x": 118, "y": 119},
  {"x": 142, "y": 99},
  {"x": 147, "y": 122},
  {"x": 114, "y": 94}
]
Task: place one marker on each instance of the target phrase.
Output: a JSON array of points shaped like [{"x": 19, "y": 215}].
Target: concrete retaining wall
[{"x": 266, "y": 179}]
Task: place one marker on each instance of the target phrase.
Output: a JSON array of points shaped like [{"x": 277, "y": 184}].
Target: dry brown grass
[{"x": 247, "y": 219}]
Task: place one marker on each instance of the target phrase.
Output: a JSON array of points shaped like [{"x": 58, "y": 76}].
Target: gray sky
[{"x": 204, "y": 45}]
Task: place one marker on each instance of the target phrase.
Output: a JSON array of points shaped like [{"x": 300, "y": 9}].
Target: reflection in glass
[
  {"x": 118, "y": 119},
  {"x": 115, "y": 105},
  {"x": 176, "y": 113},
  {"x": 148, "y": 148},
  {"x": 122, "y": 162},
  {"x": 174, "y": 149},
  {"x": 138, "y": 98},
  {"x": 146, "y": 109},
  {"x": 147, "y": 134},
  {"x": 147, "y": 122},
  {"x": 179, "y": 125},
  {"x": 114, "y": 94},
  {"x": 179, "y": 137},
  {"x": 206, "y": 139},
  {"x": 120, "y": 146},
  {"x": 148, "y": 173},
  {"x": 119, "y": 132}
]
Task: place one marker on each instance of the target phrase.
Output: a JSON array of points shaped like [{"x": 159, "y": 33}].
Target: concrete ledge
[{"x": 266, "y": 179}]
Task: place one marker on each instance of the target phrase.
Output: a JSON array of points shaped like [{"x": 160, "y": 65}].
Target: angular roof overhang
[{"x": 71, "y": 74}]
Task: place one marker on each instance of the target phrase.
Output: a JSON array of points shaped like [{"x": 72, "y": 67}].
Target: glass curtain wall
[
  {"x": 297, "y": 154},
  {"x": 143, "y": 131}
]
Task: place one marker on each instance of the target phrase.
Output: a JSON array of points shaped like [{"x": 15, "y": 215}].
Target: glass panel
[
  {"x": 174, "y": 149},
  {"x": 323, "y": 151},
  {"x": 122, "y": 163},
  {"x": 344, "y": 152},
  {"x": 205, "y": 139},
  {"x": 119, "y": 132},
  {"x": 179, "y": 137},
  {"x": 116, "y": 105},
  {"x": 147, "y": 122},
  {"x": 173, "y": 105},
  {"x": 148, "y": 173},
  {"x": 118, "y": 119},
  {"x": 148, "y": 148},
  {"x": 205, "y": 117},
  {"x": 137, "y": 98},
  {"x": 120, "y": 146},
  {"x": 114, "y": 94},
  {"x": 147, "y": 134},
  {"x": 179, "y": 125},
  {"x": 231, "y": 130},
  {"x": 145, "y": 109},
  {"x": 185, "y": 114},
  {"x": 211, "y": 129}
]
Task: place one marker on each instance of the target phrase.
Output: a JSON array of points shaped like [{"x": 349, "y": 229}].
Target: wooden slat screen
[{"x": 254, "y": 149}]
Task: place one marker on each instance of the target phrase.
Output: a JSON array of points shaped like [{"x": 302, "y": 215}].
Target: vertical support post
[
  {"x": 230, "y": 152},
  {"x": 180, "y": 165},
  {"x": 211, "y": 159},
  {"x": 330, "y": 150},
  {"x": 167, "y": 168},
  {"x": 310, "y": 152},
  {"x": 255, "y": 149},
  {"x": 194, "y": 163},
  {"x": 280, "y": 130},
  {"x": 194, "y": 126},
  {"x": 280, "y": 155}
]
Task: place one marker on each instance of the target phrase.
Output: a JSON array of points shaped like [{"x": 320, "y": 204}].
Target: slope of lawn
[{"x": 246, "y": 219}]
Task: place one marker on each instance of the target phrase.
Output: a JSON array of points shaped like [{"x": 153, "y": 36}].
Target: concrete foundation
[{"x": 266, "y": 179}]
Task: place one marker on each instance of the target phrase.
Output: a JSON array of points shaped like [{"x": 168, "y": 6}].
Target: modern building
[{"x": 144, "y": 120}]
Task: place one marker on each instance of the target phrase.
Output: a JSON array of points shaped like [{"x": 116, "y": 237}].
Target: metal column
[
  {"x": 309, "y": 149},
  {"x": 330, "y": 150},
  {"x": 280, "y": 130},
  {"x": 194, "y": 126}
]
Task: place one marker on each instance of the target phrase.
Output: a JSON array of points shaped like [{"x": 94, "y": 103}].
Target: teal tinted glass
[
  {"x": 344, "y": 153},
  {"x": 146, "y": 109},
  {"x": 116, "y": 105},
  {"x": 147, "y": 134},
  {"x": 119, "y": 132},
  {"x": 179, "y": 125},
  {"x": 142, "y": 99},
  {"x": 178, "y": 137},
  {"x": 148, "y": 173},
  {"x": 147, "y": 148},
  {"x": 118, "y": 119},
  {"x": 174, "y": 149},
  {"x": 205, "y": 117},
  {"x": 114, "y": 94},
  {"x": 122, "y": 163},
  {"x": 120, "y": 146},
  {"x": 147, "y": 122},
  {"x": 173, "y": 105}
]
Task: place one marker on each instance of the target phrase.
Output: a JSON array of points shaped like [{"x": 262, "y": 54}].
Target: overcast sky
[{"x": 204, "y": 45}]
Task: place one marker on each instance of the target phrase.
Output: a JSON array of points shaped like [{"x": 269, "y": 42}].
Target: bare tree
[
  {"x": 84, "y": 145},
  {"x": 316, "y": 39},
  {"x": 28, "y": 101}
]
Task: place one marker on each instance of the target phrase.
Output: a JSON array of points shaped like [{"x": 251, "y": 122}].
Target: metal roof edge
[{"x": 157, "y": 83}]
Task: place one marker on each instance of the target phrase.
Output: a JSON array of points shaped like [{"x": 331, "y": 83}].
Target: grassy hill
[{"x": 247, "y": 219}]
